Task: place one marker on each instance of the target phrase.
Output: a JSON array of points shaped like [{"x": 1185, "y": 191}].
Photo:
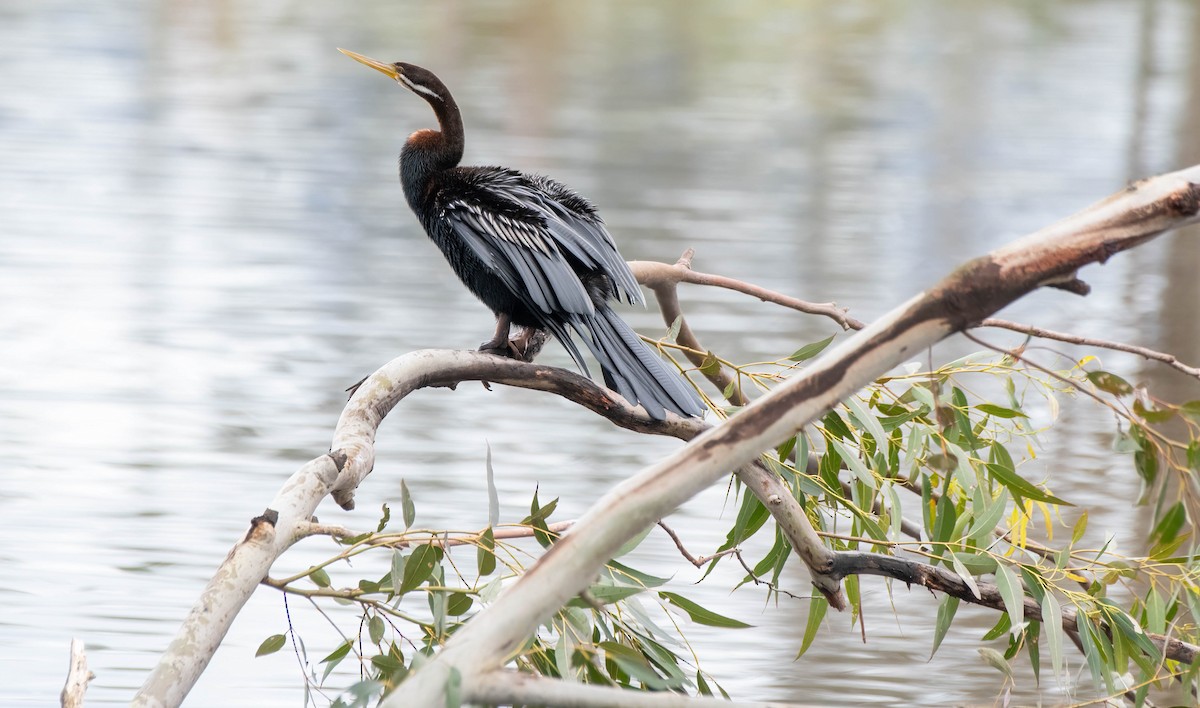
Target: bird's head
[{"x": 420, "y": 81}]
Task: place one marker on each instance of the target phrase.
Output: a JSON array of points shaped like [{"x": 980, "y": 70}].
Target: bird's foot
[{"x": 523, "y": 347}]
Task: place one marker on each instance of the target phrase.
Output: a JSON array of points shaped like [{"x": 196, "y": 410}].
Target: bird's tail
[{"x": 635, "y": 371}]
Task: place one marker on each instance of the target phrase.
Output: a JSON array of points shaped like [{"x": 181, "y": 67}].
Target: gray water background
[{"x": 202, "y": 242}]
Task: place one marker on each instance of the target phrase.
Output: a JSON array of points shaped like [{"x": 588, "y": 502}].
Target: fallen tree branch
[
  {"x": 351, "y": 459},
  {"x": 1050, "y": 257}
]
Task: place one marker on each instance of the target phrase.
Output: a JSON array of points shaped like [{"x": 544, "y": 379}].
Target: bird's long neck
[{"x": 427, "y": 152}]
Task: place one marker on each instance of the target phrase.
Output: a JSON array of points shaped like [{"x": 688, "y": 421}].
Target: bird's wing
[{"x": 535, "y": 242}]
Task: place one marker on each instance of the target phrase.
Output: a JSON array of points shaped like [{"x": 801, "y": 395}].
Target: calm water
[{"x": 202, "y": 242}]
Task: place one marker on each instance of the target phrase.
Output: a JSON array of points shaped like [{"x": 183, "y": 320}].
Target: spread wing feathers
[
  {"x": 538, "y": 234},
  {"x": 524, "y": 257}
]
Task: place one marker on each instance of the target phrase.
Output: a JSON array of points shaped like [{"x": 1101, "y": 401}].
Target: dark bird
[{"x": 532, "y": 250}]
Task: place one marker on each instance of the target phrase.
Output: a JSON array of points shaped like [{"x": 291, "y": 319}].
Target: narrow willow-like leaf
[
  {"x": 1080, "y": 527},
  {"x": 1001, "y": 468},
  {"x": 700, "y": 614},
  {"x": 384, "y": 518},
  {"x": 335, "y": 657},
  {"x": 854, "y": 463},
  {"x": 808, "y": 351},
  {"x": 624, "y": 574},
  {"x": 493, "y": 495},
  {"x": 270, "y": 645},
  {"x": 965, "y": 575},
  {"x": 866, "y": 420},
  {"x": 1052, "y": 626},
  {"x": 1156, "y": 615},
  {"x": 634, "y": 542},
  {"x": 816, "y": 613},
  {"x": 984, "y": 523},
  {"x": 399, "y": 560},
  {"x": 634, "y": 664},
  {"x": 945, "y": 616},
  {"x": 1013, "y": 594},
  {"x": 673, "y": 330},
  {"x": 409, "y": 509},
  {"x": 999, "y": 411},
  {"x": 454, "y": 689},
  {"x": 1167, "y": 528},
  {"x": 995, "y": 659}
]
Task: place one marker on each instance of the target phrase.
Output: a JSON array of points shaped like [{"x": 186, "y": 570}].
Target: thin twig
[{"x": 1168, "y": 359}]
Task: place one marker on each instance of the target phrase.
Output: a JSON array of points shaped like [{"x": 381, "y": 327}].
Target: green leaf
[
  {"x": 1091, "y": 649},
  {"x": 751, "y": 516},
  {"x": 1152, "y": 416},
  {"x": 673, "y": 330},
  {"x": 375, "y": 629},
  {"x": 1013, "y": 594},
  {"x": 785, "y": 449},
  {"x": 995, "y": 659},
  {"x": 419, "y": 566},
  {"x": 606, "y": 594},
  {"x": 1110, "y": 383},
  {"x": 458, "y": 603},
  {"x": 835, "y": 426},
  {"x": 999, "y": 411},
  {"x": 623, "y": 574},
  {"x": 319, "y": 577},
  {"x": 1167, "y": 528},
  {"x": 964, "y": 574},
  {"x": 335, "y": 657},
  {"x": 493, "y": 495},
  {"x": 976, "y": 563},
  {"x": 406, "y": 503},
  {"x": 866, "y": 421},
  {"x": 270, "y": 645},
  {"x": 711, "y": 365},
  {"x": 999, "y": 629},
  {"x": 485, "y": 552},
  {"x": 1001, "y": 467},
  {"x": 536, "y": 520},
  {"x": 816, "y": 613},
  {"x": 399, "y": 561},
  {"x": 945, "y": 616},
  {"x": 634, "y": 542},
  {"x": 1191, "y": 409},
  {"x": 808, "y": 351},
  {"x": 1052, "y": 624},
  {"x": 700, "y": 614},
  {"x": 986, "y": 521},
  {"x": 633, "y": 663},
  {"x": 943, "y": 525},
  {"x": 385, "y": 518},
  {"x": 1080, "y": 527},
  {"x": 454, "y": 688}
]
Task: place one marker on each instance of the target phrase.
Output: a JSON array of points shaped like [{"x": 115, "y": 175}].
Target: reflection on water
[{"x": 204, "y": 243}]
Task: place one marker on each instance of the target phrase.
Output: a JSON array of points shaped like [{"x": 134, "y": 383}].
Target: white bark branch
[
  {"x": 78, "y": 677},
  {"x": 516, "y": 688},
  {"x": 1051, "y": 256}
]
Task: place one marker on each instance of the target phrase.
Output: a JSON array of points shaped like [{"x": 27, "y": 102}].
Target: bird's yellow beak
[{"x": 376, "y": 65}]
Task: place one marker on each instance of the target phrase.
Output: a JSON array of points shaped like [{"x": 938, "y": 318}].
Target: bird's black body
[{"x": 532, "y": 250}]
